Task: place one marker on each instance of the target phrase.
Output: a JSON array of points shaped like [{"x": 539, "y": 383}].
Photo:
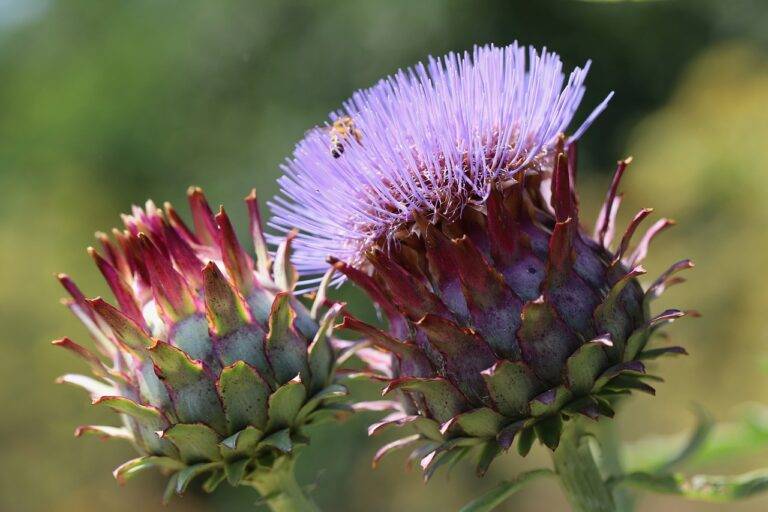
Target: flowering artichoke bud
[
  {"x": 453, "y": 206},
  {"x": 211, "y": 362}
]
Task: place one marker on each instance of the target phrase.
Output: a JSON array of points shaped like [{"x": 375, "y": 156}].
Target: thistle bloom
[
  {"x": 428, "y": 140},
  {"x": 211, "y": 362},
  {"x": 447, "y": 193}
]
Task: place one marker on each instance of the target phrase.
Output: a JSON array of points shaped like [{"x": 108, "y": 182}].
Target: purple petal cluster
[{"x": 428, "y": 140}]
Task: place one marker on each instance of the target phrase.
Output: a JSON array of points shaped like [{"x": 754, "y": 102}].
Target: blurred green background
[{"x": 105, "y": 103}]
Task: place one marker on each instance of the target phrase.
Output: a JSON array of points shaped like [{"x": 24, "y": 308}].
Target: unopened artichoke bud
[
  {"x": 453, "y": 206},
  {"x": 212, "y": 363}
]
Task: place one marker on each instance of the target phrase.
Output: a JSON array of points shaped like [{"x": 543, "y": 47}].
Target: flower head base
[
  {"x": 511, "y": 320},
  {"x": 456, "y": 211},
  {"x": 212, "y": 363},
  {"x": 427, "y": 140}
]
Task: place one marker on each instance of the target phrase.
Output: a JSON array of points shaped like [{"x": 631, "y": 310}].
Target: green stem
[
  {"x": 280, "y": 490},
  {"x": 579, "y": 473},
  {"x": 611, "y": 463}
]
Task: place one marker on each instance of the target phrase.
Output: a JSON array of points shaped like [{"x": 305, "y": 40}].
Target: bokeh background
[{"x": 105, "y": 103}]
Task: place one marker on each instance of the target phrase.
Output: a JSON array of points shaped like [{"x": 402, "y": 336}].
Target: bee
[{"x": 342, "y": 129}]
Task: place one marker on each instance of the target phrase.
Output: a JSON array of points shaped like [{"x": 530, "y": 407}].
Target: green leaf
[
  {"x": 699, "y": 436},
  {"x": 285, "y": 404},
  {"x": 213, "y": 481},
  {"x": 196, "y": 442},
  {"x": 662, "y": 351},
  {"x": 244, "y": 395},
  {"x": 441, "y": 459},
  {"x": 286, "y": 350},
  {"x": 263, "y": 258},
  {"x": 104, "y": 432},
  {"x": 636, "y": 342},
  {"x": 175, "y": 366},
  {"x": 145, "y": 414},
  {"x": 717, "y": 489},
  {"x": 397, "y": 444},
  {"x": 511, "y": 386},
  {"x": 151, "y": 389},
  {"x": 507, "y": 435},
  {"x": 705, "y": 442},
  {"x": 125, "y": 328},
  {"x": 580, "y": 404},
  {"x": 224, "y": 308},
  {"x": 583, "y": 367},
  {"x": 483, "y": 422},
  {"x": 629, "y": 368},
  {"x": 187, "y": 474},
  {"x": 321, "y": 357},
  {"x": 322, "y": 292},
  {"x": 235, "y": 471},
  {"x": 418, "y": 453},
  {"x": 428, "y": 428},
  {"x": 550, "y": 402},
  {"x": 504, "y": 491},
  {"x": 459, "y": 442},
  {"x": 604, "y": 407},
  {"x": 194, "y": 393},
  {"x": 280, "y": 440},
  {"x": 548, "y": 431},
  {"x": 304, "y": 324},
  {"x": 283, "y": 270},
  {"x": 241, "y": 442},
  {"x": 488, "y": 454},
  {"x": 193, "y": 337},
  {"x": 525, "y": 441},
  {"x": 246, "y": 344},
  {"x": 610, "y": 316},
  {"x": 332, "y": 391},
  {"x": 170, "y": 488},
  {"x": 629, "y": 382},
  {"x": 128, "y": 469},
  {"x": 443, "y": 399}
]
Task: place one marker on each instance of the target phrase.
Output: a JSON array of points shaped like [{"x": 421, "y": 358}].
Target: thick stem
[
  {"x": 280, "y": 490},
  {"x": 579, "y": 473}
]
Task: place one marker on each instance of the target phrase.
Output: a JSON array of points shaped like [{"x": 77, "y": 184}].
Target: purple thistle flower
[
  {"x": 428, "y": 141},
  {"x": 447, "y": 193}
]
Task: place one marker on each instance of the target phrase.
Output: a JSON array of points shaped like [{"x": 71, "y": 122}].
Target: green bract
[{"x": 212, "y": 364}]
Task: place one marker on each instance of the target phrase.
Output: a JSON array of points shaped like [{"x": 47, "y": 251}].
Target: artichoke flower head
[
  {"x": 212, "y": 363},
  {"x": 447, "y": 193}
]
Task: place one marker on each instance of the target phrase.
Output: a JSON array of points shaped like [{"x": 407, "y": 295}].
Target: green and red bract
[
  {"x": 509, "y": 319},
  {"x": 212, "y": 363}
]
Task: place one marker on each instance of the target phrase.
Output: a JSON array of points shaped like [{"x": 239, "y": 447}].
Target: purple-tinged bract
[
  {"x": 213, "y": 364},
  {"x": 448, "y": 195}
]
